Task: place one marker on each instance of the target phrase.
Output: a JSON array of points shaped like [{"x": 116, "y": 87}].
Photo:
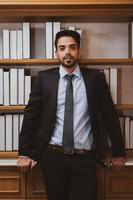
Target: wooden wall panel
[
  {"x": 12, "y": 183},
  {"x": 35, "y": 185},
  {"x": 101, "y": 182},
  {"x": 119, "y": 184}
]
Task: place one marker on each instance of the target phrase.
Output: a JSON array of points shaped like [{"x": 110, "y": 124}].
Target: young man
[{"x": 61, "y": 127}]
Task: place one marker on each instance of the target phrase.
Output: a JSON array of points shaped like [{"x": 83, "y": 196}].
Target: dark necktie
[{"x": 68, "y": 138}]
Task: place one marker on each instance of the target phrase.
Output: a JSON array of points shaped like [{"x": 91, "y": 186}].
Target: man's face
[{"x": 67, "y": 51}]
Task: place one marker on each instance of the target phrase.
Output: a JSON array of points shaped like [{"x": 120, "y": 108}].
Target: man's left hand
[{"x": 117, "y": 163}]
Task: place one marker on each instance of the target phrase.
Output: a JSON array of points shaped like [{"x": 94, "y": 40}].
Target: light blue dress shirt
[{"x": 83, "y": 138}]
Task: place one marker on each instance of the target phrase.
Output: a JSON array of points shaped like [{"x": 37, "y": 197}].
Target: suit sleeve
[
  {"x": 110, "y": 117},
  {"x": 32, "y": 113}
]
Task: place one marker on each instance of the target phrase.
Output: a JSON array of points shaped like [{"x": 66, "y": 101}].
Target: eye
[
  {"x": 61, "y": 48},
  {"x": 73, "y": 47}
]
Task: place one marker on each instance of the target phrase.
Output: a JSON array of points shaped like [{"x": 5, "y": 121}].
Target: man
[{"x": 61, "y": 127}]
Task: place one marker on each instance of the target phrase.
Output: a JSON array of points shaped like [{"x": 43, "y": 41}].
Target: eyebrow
[{"x": 62, "y": 45}]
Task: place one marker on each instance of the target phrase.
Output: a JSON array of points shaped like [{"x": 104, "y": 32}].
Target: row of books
[
  {"x": 17, "y": 43},
  {"x": 15, "y": 86},
  {"x": 126, "y": 124},
  {"x": 127, "y": 130},
  {"x": 111, "y": 76},
  {"x": 10, "y": 126}
]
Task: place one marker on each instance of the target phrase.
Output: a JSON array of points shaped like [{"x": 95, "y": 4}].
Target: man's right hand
[{"x": 25, "y": 164}]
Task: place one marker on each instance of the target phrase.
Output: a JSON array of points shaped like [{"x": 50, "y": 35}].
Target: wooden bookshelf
[{"x": 90, "y": 11}]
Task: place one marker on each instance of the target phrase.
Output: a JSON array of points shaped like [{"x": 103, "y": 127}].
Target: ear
[
  {"x": 56, "y": 54},
  {"x": 79, "y": 54}
]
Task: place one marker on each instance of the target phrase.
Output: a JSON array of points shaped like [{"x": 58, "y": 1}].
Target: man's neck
[{"x": 70, "y": 70}]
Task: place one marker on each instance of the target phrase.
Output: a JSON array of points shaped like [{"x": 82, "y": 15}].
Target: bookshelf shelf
[
  {"x": 125, "y": 107},
  {"x": 12, "y": 108},
  {"x": 55, "y": 61},
  {"x": 8, "y": 154},
  {"x": 93, "y": 9}
]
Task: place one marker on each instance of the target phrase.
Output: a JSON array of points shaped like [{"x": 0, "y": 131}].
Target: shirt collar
[{"x": 63, "y": 72}]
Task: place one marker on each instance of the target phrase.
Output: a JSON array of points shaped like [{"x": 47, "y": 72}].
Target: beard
[{"x": 68, "y": 61}]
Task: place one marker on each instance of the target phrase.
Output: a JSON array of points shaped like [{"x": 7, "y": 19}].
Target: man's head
[
  {"x": 68, "y": 33},
  {"x": 67, "y": 44}
]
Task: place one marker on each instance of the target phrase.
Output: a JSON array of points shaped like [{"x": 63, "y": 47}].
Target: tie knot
[{"x": 69, "y": 77}]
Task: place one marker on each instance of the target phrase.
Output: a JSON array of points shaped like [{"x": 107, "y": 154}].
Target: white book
[
  {"x": 80, "y": 32},
  {"x": 13, "y": 44},
  {"x": 1, "y": 43},
  {"x": 1, "y": 87},
  {"x": 21, "y": 86},
  {"x": 15, "y": 131},
  {"x": 27, "y": 89},
  {"x": 13, "y": 87},
  {"x": 113, "y": 84},
  {"x": 127, "y": 132},
  {"x": 71, "y": 28},
  {"x": 6, "y": 88},
  {"x": 8, "y": 118},
  {"x": 107, "y": 75},
  {"x": 131, "y": 134},
  {"x": 49, "y": 40},
  {"x": 2, "y": 133},
  {"x": 21, "y": 117},
  {"x": 56, "y": 28},
  {"x": 131, "y": 39},
  {"x": 19, "y": 44},
  {"x": 26, "y": 40},
  {"x": 6, "y": 54}
]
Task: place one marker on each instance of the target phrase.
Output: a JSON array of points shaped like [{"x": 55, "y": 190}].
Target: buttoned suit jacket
[{"x": 40, "y": 113}]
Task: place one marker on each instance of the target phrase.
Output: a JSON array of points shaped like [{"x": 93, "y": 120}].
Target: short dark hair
[{"x": 68, "y": 33}]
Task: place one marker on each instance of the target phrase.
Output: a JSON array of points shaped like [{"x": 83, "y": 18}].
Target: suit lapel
[
  {"x": 54, "y": 84},
  {"x": 88, "y": 84}
]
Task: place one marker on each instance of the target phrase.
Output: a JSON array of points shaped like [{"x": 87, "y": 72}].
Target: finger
[
  {"x": 33, "y": 163},
  {"x": 23, "y": 165},
  {"x": 118, "y": 166}
]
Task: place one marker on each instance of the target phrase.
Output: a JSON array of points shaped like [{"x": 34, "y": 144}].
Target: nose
[{"x": 67, "y": 50}]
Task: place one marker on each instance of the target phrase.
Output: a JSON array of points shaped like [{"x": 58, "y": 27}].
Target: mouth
[{"x": 68, "y": 60}]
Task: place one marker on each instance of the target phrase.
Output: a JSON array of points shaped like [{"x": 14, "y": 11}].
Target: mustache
[{"x": 67, "y": 56}]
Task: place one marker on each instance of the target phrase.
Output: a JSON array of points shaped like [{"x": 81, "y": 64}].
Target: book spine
[
  {"x": 6, "y": 44},
  {"x": 2, "y": 133},
  {"x": 19, "y": 44},
  {"x": 13, "y": 44},
  {"x": 1, "y": 87},
  {"x": 26, "y": 40},
  {"x": 15, "y": 131},
  {"x": 6, "y": 88},
  {"x": 49, "y": 40},
  {"x": 8, "y": 132},
  {"x": 13, "y": 86}
]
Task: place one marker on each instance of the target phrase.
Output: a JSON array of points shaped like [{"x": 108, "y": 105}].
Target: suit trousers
[{"x": 69, "y": 177}]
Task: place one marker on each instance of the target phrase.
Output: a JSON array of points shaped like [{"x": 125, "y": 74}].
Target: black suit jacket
[{"x": 40, "y": 113}]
